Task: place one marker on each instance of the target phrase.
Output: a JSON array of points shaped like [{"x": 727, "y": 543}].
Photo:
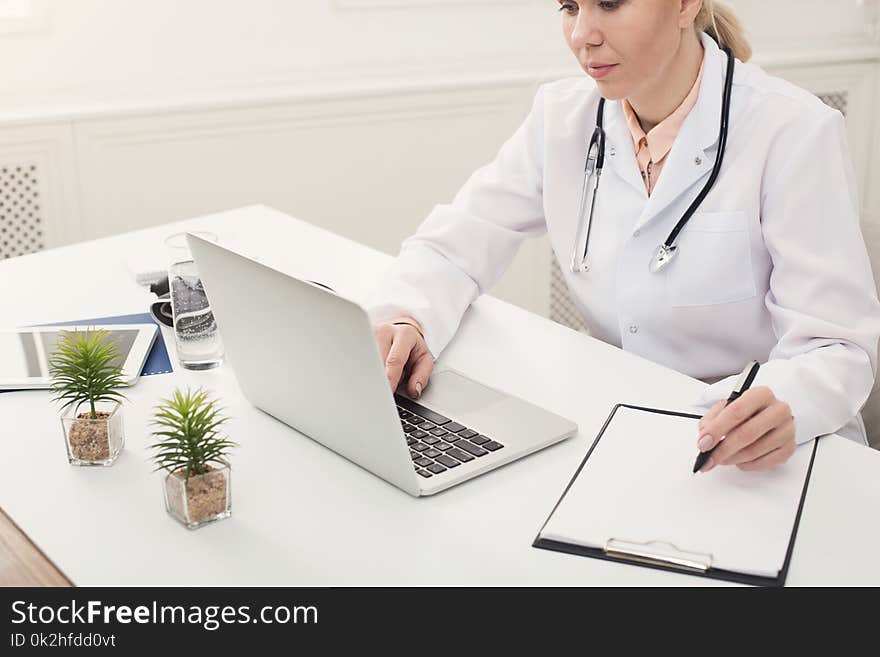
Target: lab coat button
[
  {"x": 698, "y": 161},
  {"x": 637, "y": 233},
  {"x": 633, "y": 328}
]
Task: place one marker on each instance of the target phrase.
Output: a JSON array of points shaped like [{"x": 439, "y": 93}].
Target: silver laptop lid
[{"x": 308, "y": 357}]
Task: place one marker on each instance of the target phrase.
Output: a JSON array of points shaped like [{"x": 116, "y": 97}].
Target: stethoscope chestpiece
[{"x": 663, "y": 255}]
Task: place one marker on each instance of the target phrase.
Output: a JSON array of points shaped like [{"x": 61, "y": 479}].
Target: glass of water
[{"x": 195, "y": 330}]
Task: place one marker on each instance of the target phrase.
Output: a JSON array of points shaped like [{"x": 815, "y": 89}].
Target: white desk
[{"x": 304, "y": 516}]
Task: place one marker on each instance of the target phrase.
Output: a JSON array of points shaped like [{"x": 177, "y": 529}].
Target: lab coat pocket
[{"x": 713, "y": 264}]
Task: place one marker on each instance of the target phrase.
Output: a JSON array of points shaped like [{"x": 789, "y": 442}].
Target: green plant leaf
[
  {"x": 82, "y": 371},
  {"x": 186, "y": 427}
]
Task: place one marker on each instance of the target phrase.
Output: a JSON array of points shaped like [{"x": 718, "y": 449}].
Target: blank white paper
[{"x": 637, "y": 487}]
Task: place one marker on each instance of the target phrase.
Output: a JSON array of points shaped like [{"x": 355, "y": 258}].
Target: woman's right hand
[{"x": 405, "y": 354}]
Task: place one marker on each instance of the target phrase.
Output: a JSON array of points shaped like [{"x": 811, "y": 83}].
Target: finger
[
  {"x": 421, "y": 372},
  {"x": 384, "y": 337},
  {"x": 706, "y": 441},
  {"x": 775, "y": 458},
  {"x": 407, "y": 368},
  {"x": 711, "y": 413},
  {"x": 398, "y": 356},
  {"x": 766, "y": 431},
  {"x": 736, "y": 413}
]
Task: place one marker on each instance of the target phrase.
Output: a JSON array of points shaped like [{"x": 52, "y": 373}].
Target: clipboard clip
[{"x": 658, "y": 553}]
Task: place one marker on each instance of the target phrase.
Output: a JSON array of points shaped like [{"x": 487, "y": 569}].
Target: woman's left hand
[{"x": 758, "y": 431}]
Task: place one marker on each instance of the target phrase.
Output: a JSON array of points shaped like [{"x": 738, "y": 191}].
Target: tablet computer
[{"x": 24, "y": 352}]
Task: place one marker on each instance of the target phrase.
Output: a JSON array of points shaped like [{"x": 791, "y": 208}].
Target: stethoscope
[{"x": 664, "y": 253}]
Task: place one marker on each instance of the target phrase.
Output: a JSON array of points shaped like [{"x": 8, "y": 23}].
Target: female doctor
[{"x": 770, "y": 265}]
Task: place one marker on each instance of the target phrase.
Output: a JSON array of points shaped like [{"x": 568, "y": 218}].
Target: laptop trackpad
[
  {"x": 459, "y": 396},
  {"x": 498, "y": 415}
]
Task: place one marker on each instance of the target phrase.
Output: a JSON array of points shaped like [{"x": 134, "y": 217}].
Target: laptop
[{"x": 308, "y": 357}]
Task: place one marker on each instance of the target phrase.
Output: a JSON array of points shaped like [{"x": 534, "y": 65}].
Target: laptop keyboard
[{"x": 436, "y": 443}]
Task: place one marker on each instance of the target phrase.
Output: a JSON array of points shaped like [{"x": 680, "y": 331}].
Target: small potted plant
[
  {"x": 190, "y": 449},
  {"x": 85, "y": 367}
]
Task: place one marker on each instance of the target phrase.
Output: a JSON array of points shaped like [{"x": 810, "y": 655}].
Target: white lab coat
[{"x": 772, "y": 267}]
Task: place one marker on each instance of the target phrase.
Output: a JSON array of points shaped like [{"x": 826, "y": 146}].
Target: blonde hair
[{"x": 719, "y": 21}]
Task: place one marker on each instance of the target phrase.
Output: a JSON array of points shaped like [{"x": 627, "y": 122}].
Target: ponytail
[{"x": 719, "y": 21}]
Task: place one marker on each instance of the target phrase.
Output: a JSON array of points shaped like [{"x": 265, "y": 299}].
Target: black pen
[{"x": 742, "y": 384}]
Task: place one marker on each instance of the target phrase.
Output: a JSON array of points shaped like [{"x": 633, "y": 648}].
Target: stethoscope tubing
[{"x": 593, "y": 170}]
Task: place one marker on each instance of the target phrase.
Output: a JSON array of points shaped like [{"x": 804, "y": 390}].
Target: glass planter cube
[
  {"x": 199, "y": 499},
  {"x": 94, "y": 442}
]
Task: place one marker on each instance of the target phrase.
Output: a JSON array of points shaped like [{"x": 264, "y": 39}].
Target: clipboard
[{"x": 662, "y": 555}]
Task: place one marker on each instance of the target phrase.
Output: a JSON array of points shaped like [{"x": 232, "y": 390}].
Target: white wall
[
  {"x": 86, "y": 51},
  {"x": 107, "y": 50},
  {"x": 358, "y": 115},
  {"x": 98, "y": 50}
]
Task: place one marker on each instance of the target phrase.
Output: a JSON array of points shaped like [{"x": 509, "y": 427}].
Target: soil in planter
[
  {"x": 90, "y": 441},
  {"x": 205, "y": 494}
]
